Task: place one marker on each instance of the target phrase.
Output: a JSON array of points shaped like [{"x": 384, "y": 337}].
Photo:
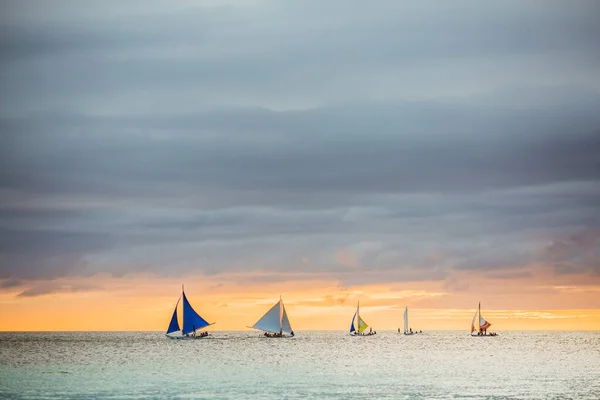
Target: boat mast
[
  {"x": 280, "y": 315},
  {"x": 358, "y": 316},
  {"x": 479, "y": 316}
]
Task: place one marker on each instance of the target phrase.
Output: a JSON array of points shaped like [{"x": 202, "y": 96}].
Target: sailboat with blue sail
[
  {"x": 358, "y": 325},
  {"x": 275, "y": 322},
  {"x": 192, "y": 322}
]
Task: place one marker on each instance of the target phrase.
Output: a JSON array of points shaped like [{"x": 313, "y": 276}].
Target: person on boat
[
  {"x": 194, "y": 327},
  {"x": 398, "y": 330},
  {"x": 410, "y": 330},
  {"x": 292, "y": 333}
]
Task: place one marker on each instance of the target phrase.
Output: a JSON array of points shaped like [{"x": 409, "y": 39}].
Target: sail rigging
[
  {"x": 192, "y": 321},
  {"x": 285, "y": 322},
  {"x": 473, "y": 323},
  {"x": 361, "y": 325},
  {"x": 174, "y": 324},
  {"x": 482, "y": 324},
  {"x": 275, "y": 320}
]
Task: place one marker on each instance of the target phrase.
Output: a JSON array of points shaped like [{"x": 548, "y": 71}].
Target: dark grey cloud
[
  {"x": 570, "y": 252},
  {"x": 273, "y": 54},
  {"x": 11, "y": 283},
  {"x": 50, "y": 287},
  {"x": 369, "y": 148},
  {"x": 368, "y": 143}
]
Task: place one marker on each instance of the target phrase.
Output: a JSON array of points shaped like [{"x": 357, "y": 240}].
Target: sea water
[{"x": 319, "y": 365}]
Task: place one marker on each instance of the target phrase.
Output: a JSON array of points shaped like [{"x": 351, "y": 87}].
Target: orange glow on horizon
[{"x": 145, "y": 303}]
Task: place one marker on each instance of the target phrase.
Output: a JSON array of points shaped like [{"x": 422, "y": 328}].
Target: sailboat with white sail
[
  {"x": 275, "y": 322},
  {"x": 479, "y": 324},
  {"x": 407, "y": 331},
  {"x": 192, "y": 322},
  {"x": 359, "y": 328}
]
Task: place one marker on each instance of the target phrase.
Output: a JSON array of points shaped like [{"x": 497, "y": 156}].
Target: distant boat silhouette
[
  {"x": 192, "y": 322},
  {"x": 406, "y": 330},
  {"x": 361, "y": 325},
  {"x": 275, "y": 322}
]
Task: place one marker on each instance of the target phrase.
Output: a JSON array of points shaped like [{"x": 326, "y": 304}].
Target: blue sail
[
  {"x": 191, "y": 319},
  {"x": 352, "y": 325},
  {"x": 174, "y": 325}
]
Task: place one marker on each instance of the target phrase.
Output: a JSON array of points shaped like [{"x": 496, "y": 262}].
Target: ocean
[{"x": 316, "y": 365}]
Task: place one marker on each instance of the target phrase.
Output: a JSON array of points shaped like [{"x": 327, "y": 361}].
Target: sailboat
[
  {"x": 482, "y": 324},
  {"x": 406, "y": 330},
  {"x": 275, "y": 322},
  {"x": 192, "y": 322},
  {"x": 361, "y": 325}
]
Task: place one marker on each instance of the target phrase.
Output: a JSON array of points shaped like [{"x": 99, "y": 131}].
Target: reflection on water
[{"x": 441, "y": 365}]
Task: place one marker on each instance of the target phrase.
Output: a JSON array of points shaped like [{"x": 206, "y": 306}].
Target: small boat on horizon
[
  {"x": 361, "y": 325},
  {"x": 482, "y": 325},
  {"x": 275, "y": 322},
  {"x": 192, "y": 322},
  {"x": 407, "y": 330}
]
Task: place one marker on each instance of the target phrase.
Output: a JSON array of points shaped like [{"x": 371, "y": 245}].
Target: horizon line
[{"x": 301, "y": 330}]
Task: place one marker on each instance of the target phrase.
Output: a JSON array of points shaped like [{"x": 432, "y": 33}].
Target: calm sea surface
[{"x": 243, "y": 365}]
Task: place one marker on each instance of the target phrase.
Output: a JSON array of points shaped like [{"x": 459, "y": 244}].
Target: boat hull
[
  {"x": 187, "y": 337},
  {"x": 371, "y": 334},
  {"x": 483, "y": 335},
  {"x": 278, "y": 337},
  {"x": 408, "y": 334}
]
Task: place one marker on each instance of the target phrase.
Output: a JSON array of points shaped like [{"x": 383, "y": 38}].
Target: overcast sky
[{"x": 408, "y": 140}]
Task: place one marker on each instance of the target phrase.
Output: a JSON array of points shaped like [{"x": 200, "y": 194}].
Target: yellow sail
[{"x": 362, "y": 325}]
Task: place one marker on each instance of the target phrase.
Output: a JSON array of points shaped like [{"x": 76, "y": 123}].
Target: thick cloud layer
[{"x": 330, "y": 138}]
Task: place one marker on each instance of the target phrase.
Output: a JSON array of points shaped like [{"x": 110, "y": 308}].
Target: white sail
[
  {"x": 271, "y": 321},
  {"x": 481, "y": 320},
  {"x": 482, "y": 324},
  {"x": 406, "y": 320},
  {"x": 473, "y": 329},
  {"x": 285, "y": 322}
]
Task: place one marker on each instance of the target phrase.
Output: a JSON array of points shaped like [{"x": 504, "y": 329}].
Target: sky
[{"x": 421, "y": 154}]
